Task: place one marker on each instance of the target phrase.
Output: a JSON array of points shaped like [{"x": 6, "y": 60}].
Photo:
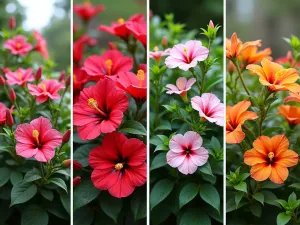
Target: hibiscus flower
[
  {"x": 41, "y": 44},
  {"x": 182, "y": 86},
  {"x": 87, "y": 11},
  {"x": 119, "y": 164},
  {"x": 37, "y": 139},
  {"x": 18, "y": 45},
  {"x": 19, "y": 77},
  {"x": 291, "y": 114}
]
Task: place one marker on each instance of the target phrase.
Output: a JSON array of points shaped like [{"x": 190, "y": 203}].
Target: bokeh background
[
  {"x": 194, "y": 13},
  {"x": 50, "y": 17},
  {"x": 268, "y": 20},
  {"x": 114, "y": 9}
]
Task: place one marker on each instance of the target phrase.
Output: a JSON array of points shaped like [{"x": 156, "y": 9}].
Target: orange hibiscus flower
[
  {"x": 234, "y": 46},
  {"x": 275, "y": 77},
  {"x": 290, "y": 113},
  {"x": 270, "y": 158},
  {"x": 236, "y": 117},
  {"x": 293, "y": 97},
  {"x": 251, "y": 55}
]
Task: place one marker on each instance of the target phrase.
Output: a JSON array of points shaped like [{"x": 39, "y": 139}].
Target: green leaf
[
  {"x": 160, "y": 191},
  {"x": 84, "y": 194},
  {"x": 242, "y": 186},
  {"x": 15, "y": 177},
  {"x": 159, "y": 160},
  {"x": 65, "y": 200},
  {"x": 59, "y": 182},
  {"x": 259, "y": 197},
  {"x": 63, "y": 172},
  {"x": 22, "y": 192},
  {"x": 195, "y": 217},
  {"x": 270, "y": 198},
  {"x": 81, "y": 154},
  {"x": 210, "y": 195},
  {"x": 238, "y": 197},
  {"x": 139, "y": 205},
  {"x": 34, "y": 215},
  {"x": 111, "y": 206},
  {"x": 283, "y": 218},
  {"x": 83, "y": 216},
  {"x": 161, "y": 147},
  {"x": 188, "y": 193},
  {"x": 165, "y": 125},
  {"x": 133, "y": 127},
  {"x": 292, "y": 198},
  {"x": 256, "y": 209},
  {"x": 32, "y": 175},
  {"x": 283, "y": 203},
  {"x": 4, "y": 175},
  {"x": 206, "y": 169},
  {"x": 270, "y": 185},
  {"x": 215, "y": 144},
  {"x": 47, "y": 194},
  {"x": 295, "y": 185}
]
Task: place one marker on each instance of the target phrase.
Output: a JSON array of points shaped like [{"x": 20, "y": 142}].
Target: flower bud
[
  {"x": 9, "y": 118},
  {"x": 112, "y": 46},
  {"x": 66, "y": 163},
  {"x": 62, "y": 76},
  {"x": 12, "y": 95},
  {"x": 76, "y": 165},
  {"x": 230, "y": 67},
  {"x": 2, "y": 80},
  {"x": 38, "y": 74},
  {"x": 68, "y": 80},
  {"x": 211, "y": 24},
  {"x": 12, "y": 22},
  {"x": 164, "y": 42},
  {"x": 76, "y": 181},
  {"x": 66, "y": 136},
  {"x": 289, "y": 57}
]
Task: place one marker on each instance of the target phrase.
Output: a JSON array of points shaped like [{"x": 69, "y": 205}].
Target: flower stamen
[
  {"x": 185, "y": 50},
  {"x": 92, "y": 103},
  {"x": 36, "y": 134},
  {"x": 271, "y": 155},
  {"x": 19, "y": 74},
  {"x": 121, "y": 21},
  {"x": 141, "y": 77},
  {"x": 119, "y": 166},
  {"x": 109, "y": 64},
  {"x": 155, "y": 49}
]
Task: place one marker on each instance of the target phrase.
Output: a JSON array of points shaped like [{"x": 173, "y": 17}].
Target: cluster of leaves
[
  {"x": 176, "y": 198},
  {"x": 32, "y": 192},
  {"x": 250, "y": 201}
]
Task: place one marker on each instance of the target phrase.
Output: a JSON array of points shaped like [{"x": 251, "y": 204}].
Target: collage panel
[
  {"x": 263, "y": 111},
  {"x": 110, "y": 112},
  {"x": 35, "y": 112},
  {"x": 186, "y": 112}
]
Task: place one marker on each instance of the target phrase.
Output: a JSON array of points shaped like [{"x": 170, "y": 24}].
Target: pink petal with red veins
[
  {"x": 187, "y": 167},
  {"x": 193, "y": 139},
  {"x": 26, "y": 150},
  {"x": 175, "y": 159},
  {"x": 199, "y": 157},
  {"x": 177, "y": 143}
]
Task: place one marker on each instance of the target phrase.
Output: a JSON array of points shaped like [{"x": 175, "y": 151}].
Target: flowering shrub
[
  {"x": 110, "y": 89},
  {"x": 262, "y": 135},
  {"x": 187, "y": 119},
  {"x": 34, "y": 135}
]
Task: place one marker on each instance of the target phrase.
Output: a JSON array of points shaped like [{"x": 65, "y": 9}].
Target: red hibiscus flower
[
  {"x": 37, "y": 139},
  {"x": 109, "y": 64},
  {"x": 80, "y": 78},
  {"x": 134, "y": 84},
  {"x": 18, "y": 45},
  {"x": 45, "y": 90},
  {"x": 119, "y": 164},
  {"x": 78, "y": 47},
  {"x": 87, "y": 11},
  {"x": 2, "y": 113},
  {"x": 139, "y": 31},
  {"x": 41, "y": 44},
  {"x": 120, "y": 28},
  {"x": 19, "y": 77},
  {"x": 99, "y": 109}
]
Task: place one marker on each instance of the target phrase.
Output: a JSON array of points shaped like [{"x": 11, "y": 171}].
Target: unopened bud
[
  {"x": 76, "y": 181},
  {"x": 289, "y": 57},
  {"x": 112, "y": 46},
  {"x": 9, "y": 118},
  {"x": 2, "y": 80},
  {"x": 164, "y": 42},
  {"x": 12, "y": 95},
  {"x": 12, "y": 22},
  {"x": 62, "y": 76},
  {"x": 66, "y": 136},
  {"x": 38, "y": 74},
  {"x": 211, "y": 24},
  {"x": 68, "y": 80}
]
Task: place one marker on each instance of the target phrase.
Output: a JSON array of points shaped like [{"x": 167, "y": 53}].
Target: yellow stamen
[
  {"x": 19, "y": 45},
  {"x": 119, "y": 166},
  {"x": 74, "y": 78},
  {"x": 271, "y": 155},
  {"x": 185, "y": 50},
  {"x": 155, "y": 49},
  {"x": 109, "y": 64},
  {"x": 87, "y": 3},
  {"x": 121, "y": 21},
  {"x": 19, "y": 74},
  {"x": 179, "y": 84},
  {"x": 141, "y": 77},
  {"x": 36, "y": 134},
  {"x": 278, "y": 75},
  {"x": 44, "y": 87},
  {"x": 92, "y": 103}
]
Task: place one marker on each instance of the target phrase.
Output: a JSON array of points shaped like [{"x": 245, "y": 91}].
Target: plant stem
[
  {"x": 197, "y": 81},
  {"x": 241, "y": 77}
]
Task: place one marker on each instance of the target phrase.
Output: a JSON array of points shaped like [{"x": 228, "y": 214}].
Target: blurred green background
[
  {"x": 115, "y": 9},
  {"x": 194, "y": 13},
  {"x": 268, "y": 20},
  {"x": 56, "y": 30}
]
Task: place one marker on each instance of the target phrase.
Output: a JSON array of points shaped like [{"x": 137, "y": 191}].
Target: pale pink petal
[
  {"x": 190, "y": 83},
  {"x": 181, "y": 83},
  {"x": 177, "y": 143},
  {"x": 199, "y": 157},
  {"x": 175, "y": 159},
  {"x": 187, "y": 167},
  {"x": 192, "y": 140}
]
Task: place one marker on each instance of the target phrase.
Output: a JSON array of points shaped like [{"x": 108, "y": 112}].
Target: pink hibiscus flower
[
  {"x": 18, "y": 45},
  {"x": 186, "y": 152},
  {"x": 2, "y": 113},
  {"x": 186, "y": 56},
  {"x": 37, "y": 139},
  {"x": 157, "y": 55},
  {"x": 41, "y": 44},
  {"x": 19, "y": 77},
  {"x": 46, "y": 89},
  {"x": 209, "y": 108},
  {"x": 181, "y": 88}
]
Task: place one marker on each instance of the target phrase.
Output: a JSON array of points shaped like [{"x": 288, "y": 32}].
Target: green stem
[
  {"x": 197, "y": 81},
  {"x": 241, "y": 77}
]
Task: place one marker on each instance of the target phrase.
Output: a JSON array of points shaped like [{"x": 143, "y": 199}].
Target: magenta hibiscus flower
[
  {"x": 37, "y": 139},
  {"x": 186, "y": 56},
  {"x": 18, "y": 45},
  {"x": 19, "y": 77},
  {"x": 209, "y": 108},
  {"x": 186, "y": 152},
  {"x": 45, "y": 90}
]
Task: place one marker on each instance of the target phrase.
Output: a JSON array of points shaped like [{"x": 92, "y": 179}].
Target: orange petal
[
  {"x": 287, "y": 158},
  {"x": 256, "y": 69},
  {"x": 261, "y": 172},
  {"x": 270, "y": 68},
  {"x": 279, "y": 174},
  {"x": 252, "y": 157},
  {"x": 293, "y": 87},
  {"x": 247, "y": 116},
  {"x": 279, "y": 143},
  {"x": 263, "y": 145},
  {"x": 236, "y": 136}
]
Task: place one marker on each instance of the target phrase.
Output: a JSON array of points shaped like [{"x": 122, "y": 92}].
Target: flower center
[
  {"x": 19, "y": 74},
  {"x": 87, "y": 3},
  {"x": 155, "y": 49},
  {"x": 271, "y": 155},
  {"x": 141, "y": 77},
  {"x": 121, "y": 21},
  {"x": 36, "y": 134},
  {"x": 185, "y": 50},
  {"x": 180, "y": 85},
  {"x": 44, "y": 87},
  {"x": 119, "y": 166},
  {"x": 109, "y": 64},
  {"x": 92, "y": 103},
  {"x": 19, "y": 45},
  {"x": 276, "y": 80}
]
